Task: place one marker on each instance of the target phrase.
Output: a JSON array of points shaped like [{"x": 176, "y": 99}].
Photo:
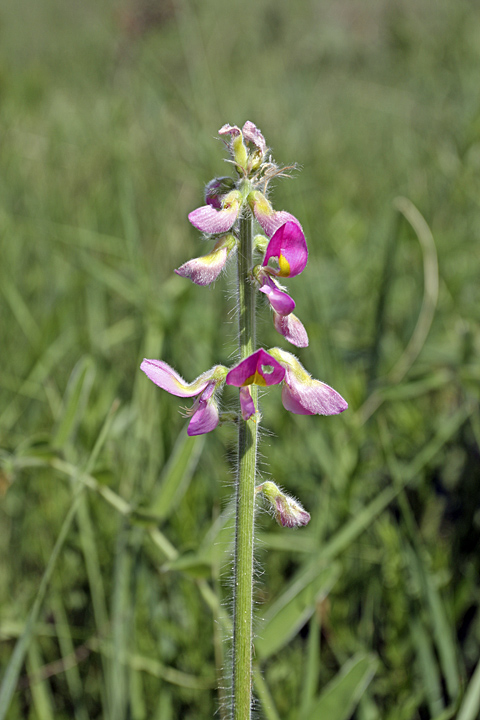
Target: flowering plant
[{"x": 231, "y": 207}]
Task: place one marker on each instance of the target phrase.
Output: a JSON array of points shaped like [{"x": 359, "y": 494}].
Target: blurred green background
[{"x": 114, "y": 527}]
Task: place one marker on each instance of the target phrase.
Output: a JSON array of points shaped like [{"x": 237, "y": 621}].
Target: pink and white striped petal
[
  {"x": 212, "y": 221},
  {"x": 303, "y": 395},
  {"x": 168, "y": 379},
  {"x": 291, "y": 328},
  {"x": 269, "y": 219}
]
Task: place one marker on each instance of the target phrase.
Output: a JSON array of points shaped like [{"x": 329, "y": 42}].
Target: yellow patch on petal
[
  {"x": 284, "y": 266},
  {"x": 255, "y": 379}
]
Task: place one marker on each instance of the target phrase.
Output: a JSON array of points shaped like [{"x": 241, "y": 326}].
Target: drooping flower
[
  {"x": 212, "y": 221},
  {"x": 204, "y": 412},
  {"x": 303, "y": 395},
  {"x": 291, "y": 328},
  {"x": 269, "y": 219},
  {"x": 280, "y": 301},
  {"x": 204, "y": 270},
  {"x": 288, "y": 512},
  {"x": 259, "y": 368}
]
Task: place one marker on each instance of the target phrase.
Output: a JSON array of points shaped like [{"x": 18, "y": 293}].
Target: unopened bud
[{"x": 288, "y": 512}]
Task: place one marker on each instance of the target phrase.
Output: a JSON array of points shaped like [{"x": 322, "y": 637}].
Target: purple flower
[
  {"x": 260, "y": 368},
  {"x": 291, "y": 328},
  {"x": 204, "y": 270},
  {"x": 303, "y": 395},
  {"x": 204, "y": 411},
  {"x": 287, "y": 245},
  {"x": 268, "y": 218},
  {"x": 285, "y": 322},
  {"x": 212, "y": 221},
  {"x": 288, "y": 512},
  {"x": 280, "y": 301}
]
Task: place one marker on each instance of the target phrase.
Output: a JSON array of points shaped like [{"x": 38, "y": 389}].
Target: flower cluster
[
  {"x": 301, "y": 394},
  {"x": 282, "y": 253},
  {"x": 283, "y": 246}
]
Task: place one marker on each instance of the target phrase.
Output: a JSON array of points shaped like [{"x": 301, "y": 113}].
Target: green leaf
[
  {"x": 343, "y": 693},
  {"x": 75, "y": 400},
  {"x": 177, "y": 474},
  {"x": 292, "y": 609},
  {"x": 470, "y": 707}
]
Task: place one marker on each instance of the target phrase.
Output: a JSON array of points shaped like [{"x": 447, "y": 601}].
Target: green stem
[{"x": 245, "y": 493}]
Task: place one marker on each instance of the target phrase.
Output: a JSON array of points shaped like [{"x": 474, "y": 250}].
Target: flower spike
[
  {"x": 204, "y": 411},
  {"x": 303, "y": 395}
]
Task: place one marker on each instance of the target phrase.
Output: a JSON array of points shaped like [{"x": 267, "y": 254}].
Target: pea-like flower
[
  {"x": 268, "y": 218},
  {"x": 204, "y": 412},
  {"x": 284, "y": 321},
  {"x": 280, "y": 301},
  {"x": 259, "y": 368},
  {"x": 212, "y": 221},
  {"x": 204, "y": 270},
  {"x": 303, "y": 395}
]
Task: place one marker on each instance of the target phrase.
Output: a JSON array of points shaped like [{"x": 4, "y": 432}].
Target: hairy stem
[{"x": 245, "y": 494}]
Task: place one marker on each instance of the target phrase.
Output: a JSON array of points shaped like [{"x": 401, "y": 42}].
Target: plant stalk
[{"x": 245, "y": 493}]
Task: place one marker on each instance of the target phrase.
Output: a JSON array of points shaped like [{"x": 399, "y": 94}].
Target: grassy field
[{"x": 115, "y": 527}]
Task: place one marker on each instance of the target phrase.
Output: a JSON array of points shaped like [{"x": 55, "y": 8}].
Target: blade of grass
[
  {"x": 41, "y": 693},
  {"x": 9, "y": 682},
  {"x": 291, "y": 610},
  {"x": 343, "y": 693},
  {"x": 470, "y": 707},
  {"x": 177, "y": 473},
  {"x": 428, "y": 667}
]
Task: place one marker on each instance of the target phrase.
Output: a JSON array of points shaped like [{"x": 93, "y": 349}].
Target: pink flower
[
  {"x": 260, "y": 368},
  {"x": 212, "y": 221},
  {"x": 204, "y": 270},
  {"x": 204, "y": 412},
  {"x": 269, "y": 219},
  {"x": 303, "y": 395},
  {"x": 287, "y": 245},
  {"x": 284, "y": 321},
  {"x": 280, "y": 301}
]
